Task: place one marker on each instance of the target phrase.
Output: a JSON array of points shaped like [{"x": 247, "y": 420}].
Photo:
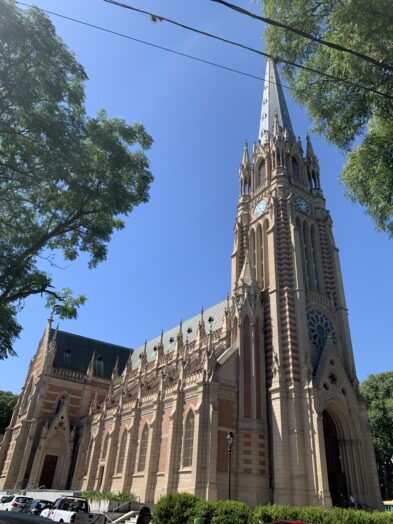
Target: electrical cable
[
  {"x": 379, "y": 63},
  {"x": 116, "y": 33},
  {"x": 154, "y": 17}
]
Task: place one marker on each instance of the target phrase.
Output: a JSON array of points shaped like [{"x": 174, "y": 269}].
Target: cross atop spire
[{"x": 273, "y": 102}]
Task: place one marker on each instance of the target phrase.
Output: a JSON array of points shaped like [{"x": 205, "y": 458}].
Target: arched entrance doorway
[{"x": 336, "y": 476}]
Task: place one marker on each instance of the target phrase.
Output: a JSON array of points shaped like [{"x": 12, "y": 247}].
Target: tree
[
  {"x": 66, "y": 180},
  {"x": 7, "y": 404},
  {"x": 357, "y": 121},
  {"x": 377, "y": 390}
]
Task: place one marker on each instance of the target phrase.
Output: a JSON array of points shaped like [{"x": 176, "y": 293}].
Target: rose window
[{"x": 319, "y": 328}]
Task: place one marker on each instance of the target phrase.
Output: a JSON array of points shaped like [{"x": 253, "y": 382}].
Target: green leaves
[
  {"x": 66, "y": 180},
  {"x": 7, "y": 404},
  {"x": 344, "y": 112},
  {"x": 377, "y": 391}
]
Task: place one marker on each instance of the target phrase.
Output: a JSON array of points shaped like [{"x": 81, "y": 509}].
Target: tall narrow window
[
  {"x": 302, "y": 251},
  {"x": 265, "y": 254},
  {"x": 262, "y": 173},
  {"x": 258, "y": 373},
  {"x": 246, "y": 367},
  {"x": 260, "y": 268},
  {"x": 308, "y": 256},
  {"x": 317, "y": 266},
  {"x": 234, "y": 331},
  {"x": 105, "y": 446},
  {"x": 122, "y": 452},
  {"x": 295, "y": 169},
  {"x": 99, "y": 368},
  {"x": 143, "y": 449},
  {"x": 188, "y": 440},
  {"x": 252, "y": 249}
]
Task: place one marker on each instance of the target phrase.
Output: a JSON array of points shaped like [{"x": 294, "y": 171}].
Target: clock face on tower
[
  {"x": 259, "y": 208},
  {"x": 302, "y": 205}
]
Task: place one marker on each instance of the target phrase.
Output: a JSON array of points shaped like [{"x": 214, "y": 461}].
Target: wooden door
[{"x": 48, "y": 471}]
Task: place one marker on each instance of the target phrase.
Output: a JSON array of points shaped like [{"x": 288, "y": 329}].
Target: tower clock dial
[
  {"x": 302, "y": 205},
  {"x": 259, "y": 208}
]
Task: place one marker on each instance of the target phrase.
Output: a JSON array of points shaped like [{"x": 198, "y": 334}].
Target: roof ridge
[{"x": 92, "y": 339}]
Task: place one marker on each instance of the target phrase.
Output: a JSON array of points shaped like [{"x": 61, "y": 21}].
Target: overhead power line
[
  {"x": 144, "y": 42},
  {"x": 379, "y": 63},
  {"x": 155, "y": 17},
  {"x": 166, "y": 49}
]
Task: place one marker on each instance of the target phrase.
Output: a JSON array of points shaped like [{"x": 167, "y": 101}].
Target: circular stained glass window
[{"x": 319, "y": 328}]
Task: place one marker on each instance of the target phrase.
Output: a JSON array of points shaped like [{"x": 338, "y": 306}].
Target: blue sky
[{"x": 174, "y": 255}]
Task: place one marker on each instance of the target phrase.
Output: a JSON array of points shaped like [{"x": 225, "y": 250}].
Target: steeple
[{"x": 273, "y": 102}]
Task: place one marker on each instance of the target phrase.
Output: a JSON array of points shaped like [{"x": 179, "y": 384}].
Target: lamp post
[{"x": 229, "y": 438}]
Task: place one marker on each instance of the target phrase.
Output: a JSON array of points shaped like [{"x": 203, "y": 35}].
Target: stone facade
[{"x": 273, "y": 363}]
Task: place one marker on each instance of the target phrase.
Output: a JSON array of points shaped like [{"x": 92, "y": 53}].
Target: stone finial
[
  {"x": 245, "y": 158},
  {"x": 309, "y": 149}
]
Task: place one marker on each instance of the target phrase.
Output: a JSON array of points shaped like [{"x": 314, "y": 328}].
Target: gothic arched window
[
  {"x": 122, "y": 452},
  {"x": 295, "y": 169},
  {"x": 262, "y": 173},
  {"x": 188, "y": 440},
  {"x": 143, "y": 449},
  {"x": 99, "y": 371},
  {"x": 246, "y": 367},
  {"x": 260, "y": 266},
  {"x": 252, "y": 249},
  {"x": 265, "y": 254}
]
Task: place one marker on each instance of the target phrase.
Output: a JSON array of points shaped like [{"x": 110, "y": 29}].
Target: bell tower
[{"x": 285, "y": 255}]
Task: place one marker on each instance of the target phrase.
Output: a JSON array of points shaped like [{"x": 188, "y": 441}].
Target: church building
[{"x": 272, "y": 365}]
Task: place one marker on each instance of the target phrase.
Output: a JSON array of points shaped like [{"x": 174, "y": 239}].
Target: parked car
[
  {"x": 36, "y": 506},
  {"x": 74, "y": 510},
  {"x": 14, "y": 502}
]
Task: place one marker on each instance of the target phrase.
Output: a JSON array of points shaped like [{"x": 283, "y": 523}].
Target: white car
[
  {"x": 74, "y": 510},
  {"x": 14, "y": 502}
]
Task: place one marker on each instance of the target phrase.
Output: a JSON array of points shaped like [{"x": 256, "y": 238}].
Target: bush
[
  {"x": 316, "y": 515},
  {"x": 178, "y": 508},
  {"x": 182, "y": 508},
  {"x": 107, "y": 495},
  {"x": 231, "y": 512}
]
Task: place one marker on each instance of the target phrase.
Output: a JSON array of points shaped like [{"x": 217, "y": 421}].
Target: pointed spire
[
  {"x": 300, "y": 145},
  {"x": 247, "y": 276},
  {"x": 309, "y": 149},
  {"x": 115, "y": 371},
  {"x": 273, "y": 101},
  {"x": 92, "y": 365},
  {"x": 245, "y": 158}
]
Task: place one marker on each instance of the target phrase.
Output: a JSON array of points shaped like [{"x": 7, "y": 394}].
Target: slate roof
[
  {"x": 75, "y": 352},
  {"x": 169, "y": 337},
  {"x": 273, "y": 101}
]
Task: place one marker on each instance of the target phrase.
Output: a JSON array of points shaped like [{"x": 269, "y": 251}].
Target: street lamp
[{"x": 229, "y": 438}]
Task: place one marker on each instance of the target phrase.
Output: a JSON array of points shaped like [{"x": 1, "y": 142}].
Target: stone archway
[
  {"x": 54, "y": 462},
  {"x": 335, "y": 470}
]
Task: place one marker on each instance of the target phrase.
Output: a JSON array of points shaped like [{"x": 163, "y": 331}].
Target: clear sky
[{"x": 174, "y": 255}]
